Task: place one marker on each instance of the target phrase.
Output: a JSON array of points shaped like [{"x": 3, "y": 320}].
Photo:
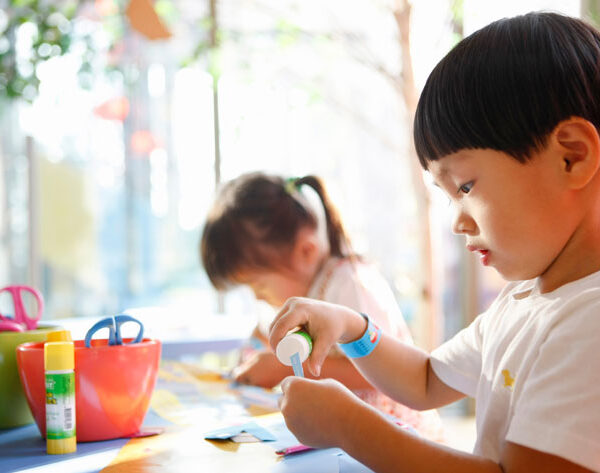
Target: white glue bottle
[
  {"x": 294, "y": 349},
  {"x": 59, "y": 364}
]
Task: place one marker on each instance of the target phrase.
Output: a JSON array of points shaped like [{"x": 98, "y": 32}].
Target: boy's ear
[{"x": 579, "y": 148}]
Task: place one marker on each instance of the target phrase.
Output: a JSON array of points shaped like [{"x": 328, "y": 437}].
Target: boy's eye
[{"x": 466, "y": 188}]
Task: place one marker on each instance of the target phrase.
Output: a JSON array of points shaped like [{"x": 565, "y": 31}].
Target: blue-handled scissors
[
  {"x": 22, "y": 320},
  {"x": 114, "y": 330}
]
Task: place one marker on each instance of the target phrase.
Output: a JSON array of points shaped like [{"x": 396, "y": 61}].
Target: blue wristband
[{"x": 365, "y": 344}]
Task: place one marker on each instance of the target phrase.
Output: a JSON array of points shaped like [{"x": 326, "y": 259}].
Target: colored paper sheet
[
  {"x": 198, "y": 405},
  {"x": 252, "y": 428},
  {"x": 347, "y": 464},
  {"x": 315, "y": 461}
]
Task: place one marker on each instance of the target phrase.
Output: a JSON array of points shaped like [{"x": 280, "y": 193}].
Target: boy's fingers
[
  {"x": 239, "y": 375},
  {"x": 288, "y": 318},
  {"x": 317, "y": 357},
  {"x": 281, "y": 313},
  {"x": 276, "y": 333},
  {"x": 288, "y": 383},
  {"x": 285, "y": 383}
]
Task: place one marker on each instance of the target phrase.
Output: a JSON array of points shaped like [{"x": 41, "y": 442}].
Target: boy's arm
[
  {"x": 404, "y": 373},
  {"x": 325, "y": 414},
  {"x": 398, "y": 451},
  {"x": 343, "y": 370},
  {"x": 399, "y": 370}
]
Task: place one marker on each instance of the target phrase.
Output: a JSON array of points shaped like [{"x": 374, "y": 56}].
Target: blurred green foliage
[
  {"x": 31, "y": 32},
  {"x": 590, "y": 11}
]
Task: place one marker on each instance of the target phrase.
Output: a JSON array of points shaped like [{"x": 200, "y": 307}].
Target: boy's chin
[{"x": 516, "y": 275}]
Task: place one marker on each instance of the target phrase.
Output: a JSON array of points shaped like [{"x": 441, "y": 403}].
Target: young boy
[{"x": 507, "y": 124}]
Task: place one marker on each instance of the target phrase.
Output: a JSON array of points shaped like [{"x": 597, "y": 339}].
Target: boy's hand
[
  {"x": 317, "y": 412},
  {"x": 326, "y": 324},
  {"x": 261, "y": 369}
]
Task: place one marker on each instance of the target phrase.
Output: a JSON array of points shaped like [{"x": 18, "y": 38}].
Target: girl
[{"x": 272, "y": 235}]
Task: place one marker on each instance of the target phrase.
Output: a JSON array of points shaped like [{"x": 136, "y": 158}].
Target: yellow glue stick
[
  {"x": 59, "y": 364},
  {"x": 59, "y": 336}
]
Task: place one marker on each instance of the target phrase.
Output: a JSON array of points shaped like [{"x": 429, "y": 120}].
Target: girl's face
[
  {"x": 292, "y": 279},
  {"x": 274, "y": 286},
  {"x": 516, "y": 217}
]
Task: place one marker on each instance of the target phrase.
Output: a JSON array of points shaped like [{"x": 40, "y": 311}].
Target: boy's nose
[{"x": 463, "y": 224}]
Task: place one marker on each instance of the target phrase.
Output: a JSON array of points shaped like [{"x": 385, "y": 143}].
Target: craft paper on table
[
  {"x": 284, "y": 438},
  {"x": 315, "y": 461},
  {"x": 293, "y": 449},
  {"x": 347, "y": 464},
  {"x": 241, "y": 432},
  {"x": 257, "y": 396},
  {"x": 330, "y": 460}
]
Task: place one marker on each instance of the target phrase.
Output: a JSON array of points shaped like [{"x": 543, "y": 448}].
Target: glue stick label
[{"x": 60, "y": 405}]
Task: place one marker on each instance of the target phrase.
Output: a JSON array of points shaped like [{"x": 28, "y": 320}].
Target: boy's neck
[{"x": 579, "y": 258}]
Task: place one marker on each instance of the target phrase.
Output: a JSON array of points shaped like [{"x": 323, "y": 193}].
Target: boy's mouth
[{"x": 484, "y": 255}]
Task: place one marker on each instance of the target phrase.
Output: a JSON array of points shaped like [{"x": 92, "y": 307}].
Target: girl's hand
[
  {"x": 261, "y": 369},
  {"x": 326, "y": 324},
  {"x": 318, "y": 412}
]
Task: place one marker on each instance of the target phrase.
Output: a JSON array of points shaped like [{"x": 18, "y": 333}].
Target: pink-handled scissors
[{"x": 21, "y": 321}]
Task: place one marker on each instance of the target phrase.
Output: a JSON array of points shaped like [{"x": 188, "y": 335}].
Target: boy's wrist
[
  {"x": 364, "y": 345},
  {"x": 356, "y": 326}
]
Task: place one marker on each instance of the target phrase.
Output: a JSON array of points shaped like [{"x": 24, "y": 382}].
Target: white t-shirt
[{"x": 532, "y": 362}]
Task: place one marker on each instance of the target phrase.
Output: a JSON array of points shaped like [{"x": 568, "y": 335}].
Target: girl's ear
[
  {"x": 579, "y": 147},
  {"x": 307, "y": 250}
]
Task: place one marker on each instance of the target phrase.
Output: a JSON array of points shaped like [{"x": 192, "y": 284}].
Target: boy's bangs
[
  {"x": 507, "y": 86},
  {"x": 475, "y": 104},
  {"x": 442, "y": 127}
]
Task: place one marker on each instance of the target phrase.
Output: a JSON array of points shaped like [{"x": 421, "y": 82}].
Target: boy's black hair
[{"x": 506, "y": 87}]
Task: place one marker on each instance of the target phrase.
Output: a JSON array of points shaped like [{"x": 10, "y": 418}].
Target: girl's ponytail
[{"x": 339, "y": 243}]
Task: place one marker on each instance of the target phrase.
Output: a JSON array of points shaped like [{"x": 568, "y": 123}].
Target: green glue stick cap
[{"x": 296, "y": 342}]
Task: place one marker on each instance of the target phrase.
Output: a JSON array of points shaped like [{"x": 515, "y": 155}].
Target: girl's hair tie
[{"x": 290, "y": 185}]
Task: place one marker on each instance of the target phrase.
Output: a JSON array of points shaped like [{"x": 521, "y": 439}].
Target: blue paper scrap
[{"x": 231, "y": 431}]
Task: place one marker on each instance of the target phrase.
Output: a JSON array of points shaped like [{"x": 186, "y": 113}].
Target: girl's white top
[{"x": 357, "y": 285}]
